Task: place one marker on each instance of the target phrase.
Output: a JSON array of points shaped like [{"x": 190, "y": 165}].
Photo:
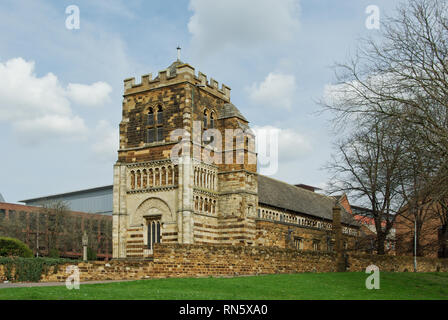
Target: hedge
[
  {"x": 30, "y": 269},
  {"x": 11, "y": 247}
]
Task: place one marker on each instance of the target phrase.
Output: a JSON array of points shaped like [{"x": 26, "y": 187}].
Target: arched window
[
  {"x": 144, "y": 179},
  {"x": 163, "y": 178},
  {"x": 205, "y": 122},
  {"x": 150, "y": 119},
  {"x": 159, "y": 129},
  {"x": 139, "y": 179},
  {"x": 150, "y": 137},
  {"x": 212, "y": 120},
  {"x": 159, "y": 115},
  {"x": 154, "y": 125},
  {"x": 151, "y": 178},
  {"x": 132, "y": 180}
]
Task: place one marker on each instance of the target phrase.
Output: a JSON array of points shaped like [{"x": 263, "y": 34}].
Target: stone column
[
  {"x": 119, "y": 216},
  {"x": 337, "y": 230},
  {"x": 186, "y": 174},
  {"x": 187, "y": 200}
]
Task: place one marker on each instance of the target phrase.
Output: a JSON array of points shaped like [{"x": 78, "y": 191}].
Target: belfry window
[
  {"x": 154, "y": 125},
  {"x": 159, "y": 115},
  {"x": 150, "y": 135},
  {"x": 150, "y": 120}
]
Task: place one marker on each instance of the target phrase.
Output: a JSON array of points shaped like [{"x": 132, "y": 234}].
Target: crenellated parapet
[{"x": 177, "y": 73}]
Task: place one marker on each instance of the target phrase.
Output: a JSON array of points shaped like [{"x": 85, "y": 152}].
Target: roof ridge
[{"x": 301, "y": 189}]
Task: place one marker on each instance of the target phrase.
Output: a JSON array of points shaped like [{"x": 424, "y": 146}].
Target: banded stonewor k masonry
[{"x": 187, "y": 174}]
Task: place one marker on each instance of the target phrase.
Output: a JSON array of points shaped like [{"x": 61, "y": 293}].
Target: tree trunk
[
  {"x": 419, "y": 237},
  {"x": 443, "y": 241},
  {"x": 380, "y": 239}
]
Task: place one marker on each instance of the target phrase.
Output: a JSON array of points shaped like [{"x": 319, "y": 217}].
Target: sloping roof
[
  {"x": 229, "y": 110},
  {"x": 1, "y": 198},
  {"x": 58, "y": 195},
  {"x": 286, "y": 196}
]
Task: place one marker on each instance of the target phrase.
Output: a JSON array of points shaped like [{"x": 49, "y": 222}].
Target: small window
[
  {"x": 150, "y": 120},
  {"x": 160, "y": 115},
  {"x": 150, "y": 137},
  {"x": 330, "y": 245},
  {"x": 316, "y": 245},
  {"x": 298, "y": 243},
  {"x": 205, "y": 119},
  {"x": 212, "y": 120}
]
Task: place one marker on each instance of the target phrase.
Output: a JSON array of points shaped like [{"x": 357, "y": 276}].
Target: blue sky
[{"x": 60, "y": 89}]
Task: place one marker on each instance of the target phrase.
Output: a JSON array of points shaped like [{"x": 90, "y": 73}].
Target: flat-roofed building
[{"x": 94, "y": 200}]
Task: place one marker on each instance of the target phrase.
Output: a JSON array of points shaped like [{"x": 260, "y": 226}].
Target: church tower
[{"x": 195, "y": 198}]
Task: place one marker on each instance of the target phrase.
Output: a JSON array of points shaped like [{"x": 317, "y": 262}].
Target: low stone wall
[
  {"x": 181, "y": 260},
  {"x": 199, "y": 260},
  {"x": 358, "y": 262},
  {"x": 114, "y": 270}
]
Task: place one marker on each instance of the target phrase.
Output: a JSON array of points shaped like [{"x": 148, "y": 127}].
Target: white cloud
[
  {"x": 277, "y": 90},
  {"x": 40, "y": 107},
  {"x": 106, "y": 139},
  {"x": 24, "y": 96},
  {"x": 218, "y": 24},
  {"x": 292, "y": 145},
  {"x": 95, "y": 94},
  {"x": 32, "y": 131},
  {"x": 355, "y": 92}
]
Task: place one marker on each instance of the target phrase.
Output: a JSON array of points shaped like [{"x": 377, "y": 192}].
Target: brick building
[
  {"x": 197, "y": 198},
  {"x": 34, "y": 226},
  {"x": 430, "y": 239}
]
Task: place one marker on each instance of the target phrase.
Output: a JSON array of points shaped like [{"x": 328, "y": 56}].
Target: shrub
[
  {"x": 11, "y": 247},
  {"x": 30, "y": 269},
  {"x": 91, "y": 254},
  {"x": 54, "y": 253}
]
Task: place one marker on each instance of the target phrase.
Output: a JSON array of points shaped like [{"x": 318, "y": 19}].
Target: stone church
[{"x": 193, "y": 199}]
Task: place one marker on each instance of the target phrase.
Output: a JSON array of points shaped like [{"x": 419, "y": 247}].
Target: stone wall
[
  {"x": 192, "y": 260},
  {"x": 358, "y": 262},
  {"x": 220, "y": 260},
  {"x": 284, "y": 234}
]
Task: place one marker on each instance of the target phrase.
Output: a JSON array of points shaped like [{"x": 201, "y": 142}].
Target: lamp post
[
  {"x": 415, "y": 244},
  {"x": 85, "y": 242}
]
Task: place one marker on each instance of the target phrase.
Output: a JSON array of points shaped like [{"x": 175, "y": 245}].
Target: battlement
[{"x": 177, "y": 73}]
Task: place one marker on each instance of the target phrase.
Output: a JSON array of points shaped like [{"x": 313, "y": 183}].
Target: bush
[
  {"x": 30, "y": 269},
  {"x": 10, "y": 247},
  {"x": 54, "y": 253}
]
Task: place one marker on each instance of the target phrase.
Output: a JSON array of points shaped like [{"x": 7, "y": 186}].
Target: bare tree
[
  {"x": 58, "y": 224},
  {"x": 403, "y": 75},
  {"x": 367, "y": 166}
]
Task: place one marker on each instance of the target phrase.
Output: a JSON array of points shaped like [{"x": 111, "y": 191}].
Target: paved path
[{"x": 50, "y": 284}]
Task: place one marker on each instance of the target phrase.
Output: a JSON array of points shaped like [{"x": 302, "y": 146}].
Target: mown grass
[{"x": 304, "y": 286}]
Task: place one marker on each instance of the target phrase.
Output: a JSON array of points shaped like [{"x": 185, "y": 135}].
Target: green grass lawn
[{"x": 304, "y": 286}]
